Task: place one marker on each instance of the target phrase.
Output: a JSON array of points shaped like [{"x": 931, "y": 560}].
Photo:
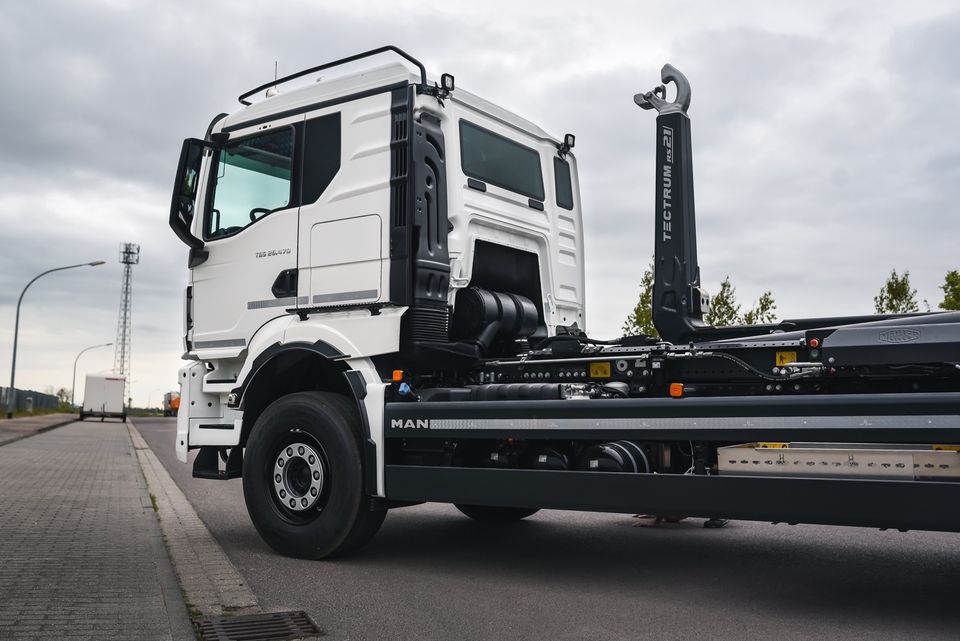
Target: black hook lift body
[{"x": 679, "y": 301}]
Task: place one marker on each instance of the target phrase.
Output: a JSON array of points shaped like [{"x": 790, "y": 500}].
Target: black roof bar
[{"x": 403, "y": 54}]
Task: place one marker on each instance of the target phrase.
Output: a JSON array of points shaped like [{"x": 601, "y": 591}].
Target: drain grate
[{"x": 273, "y": 626}]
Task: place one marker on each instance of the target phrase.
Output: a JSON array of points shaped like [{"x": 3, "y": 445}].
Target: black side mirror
[{"x": 183, "y": 204}]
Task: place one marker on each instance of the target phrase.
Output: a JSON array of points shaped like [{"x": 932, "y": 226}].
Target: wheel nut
[
  {"x": 289, "y": 451},
  {"x": 300, "y": 450},
  {"x": 283, "y": 494},
  {"x": 313, "y": 491},
  {"x": 293, "y": 503},
  {"x": 280, "y": 462},
  {"x": 277, "y": 478},
  {"x": 303, "y": 502},
  {"x": 316, "y": 476},
  {"x": 312, "y": 459}
]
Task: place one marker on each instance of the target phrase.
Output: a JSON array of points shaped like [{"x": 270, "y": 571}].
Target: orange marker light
[
  {"x": 397, "y": 376},
  {"x": 676, "y": 390}
]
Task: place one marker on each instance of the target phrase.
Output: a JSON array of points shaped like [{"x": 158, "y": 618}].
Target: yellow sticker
[
  {"x": 600, "y": 370},
  {"x": 770, "y": 445},
  {"x": 786, "y": 357},
  {"x": 947, "y": 448}
]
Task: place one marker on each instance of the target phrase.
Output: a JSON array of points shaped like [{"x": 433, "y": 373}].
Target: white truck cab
[{"x": 338, "y": 227}]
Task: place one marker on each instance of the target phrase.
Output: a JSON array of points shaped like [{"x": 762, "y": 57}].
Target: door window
[
  {"x": 254, "y": 178},
  {"x": 321, "y": 156}
]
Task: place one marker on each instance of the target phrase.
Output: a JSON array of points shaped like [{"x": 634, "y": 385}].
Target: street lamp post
[
  {"x": 12, "y": 394},
  {"x": 73, "y": 381},
  {"x": 150, "y": 395}
]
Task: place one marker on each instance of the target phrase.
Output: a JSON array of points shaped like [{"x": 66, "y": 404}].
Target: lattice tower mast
[{"x": 129, "y": 256}]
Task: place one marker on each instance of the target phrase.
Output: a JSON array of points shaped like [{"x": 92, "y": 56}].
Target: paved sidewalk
[
  {"x": 81, "y": 553},
  {"x": 14, "y": 429}
]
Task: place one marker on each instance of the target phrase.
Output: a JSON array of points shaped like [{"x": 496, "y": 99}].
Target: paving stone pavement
[
  {"x": 81, "y": 553},
  {"x": 14, "y": 429}
]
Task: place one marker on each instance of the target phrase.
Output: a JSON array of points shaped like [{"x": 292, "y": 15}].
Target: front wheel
[
  {"x": 493, "y": 514},
  {"x": 303, "y": 477}
]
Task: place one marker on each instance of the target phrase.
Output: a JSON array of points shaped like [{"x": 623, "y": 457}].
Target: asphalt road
[{"x": 432, "y": 573}]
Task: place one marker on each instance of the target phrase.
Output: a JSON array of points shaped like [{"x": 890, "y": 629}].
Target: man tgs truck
[{"x": 386, "y": 307}]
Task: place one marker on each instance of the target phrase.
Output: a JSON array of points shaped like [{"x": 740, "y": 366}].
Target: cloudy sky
[{"x": 826, "y": 142}]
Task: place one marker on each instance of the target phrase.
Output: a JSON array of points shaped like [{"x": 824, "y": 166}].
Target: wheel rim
[{"x": 299, "y": 476}]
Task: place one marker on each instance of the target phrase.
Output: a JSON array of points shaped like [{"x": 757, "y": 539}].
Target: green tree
[
  {"x": 951, "y": 291},
  {"x": 896, "y": 296},
  {"x": 640, "y": 320},
  {"x": 765, "y": 311},
  {"x": 724, "y": 309},
  {"x": 63, "y": 395}
]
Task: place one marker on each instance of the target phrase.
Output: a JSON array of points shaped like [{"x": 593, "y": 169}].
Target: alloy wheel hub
[{"x": 298, "y": 477}]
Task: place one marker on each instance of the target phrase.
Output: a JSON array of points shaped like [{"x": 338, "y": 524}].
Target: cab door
[
  {"x": 344, "y": 241},
  {"x": 249, "y": 229}
]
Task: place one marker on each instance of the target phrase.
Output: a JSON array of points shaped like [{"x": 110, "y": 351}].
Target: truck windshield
[
  {"x": 253, "y": 180},
  {"x": 500, "y": 161}
]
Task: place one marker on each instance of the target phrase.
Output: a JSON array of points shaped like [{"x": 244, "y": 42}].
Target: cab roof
[{"x": 355, "y": 80}]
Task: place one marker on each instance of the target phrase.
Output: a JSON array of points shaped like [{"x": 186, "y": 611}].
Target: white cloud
[{"x": 824, "y": 142}]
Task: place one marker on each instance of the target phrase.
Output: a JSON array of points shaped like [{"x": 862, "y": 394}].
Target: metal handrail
[{"x": 389, "y": 48}]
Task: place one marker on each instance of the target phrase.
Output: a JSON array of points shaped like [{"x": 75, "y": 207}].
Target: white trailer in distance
[{"x": 103, "y": 397}]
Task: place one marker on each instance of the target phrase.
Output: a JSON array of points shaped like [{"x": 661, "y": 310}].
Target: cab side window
[
  {"x": 564, "y": 184},
  {"x": 254, "y": 178},
  {"x": 500, "y": 161}
]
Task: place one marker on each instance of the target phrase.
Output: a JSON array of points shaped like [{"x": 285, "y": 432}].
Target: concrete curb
[
  {"x": 178, "y": 616},
  {"x": 211, "y": 584},
  {"x": 40, "y": 430}
]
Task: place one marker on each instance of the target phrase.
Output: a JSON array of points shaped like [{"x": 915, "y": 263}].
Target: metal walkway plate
[{"x": 272, "y": 626}]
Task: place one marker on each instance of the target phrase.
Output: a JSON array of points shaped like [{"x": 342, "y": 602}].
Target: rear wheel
[
  {"x": 493, "y": 514},
  {"x": 303, "y": 477}
]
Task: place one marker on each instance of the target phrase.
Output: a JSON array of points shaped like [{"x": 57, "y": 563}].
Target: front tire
[
  {"x": 303, "y": 477},
  {"x": 493, "y": 514}
]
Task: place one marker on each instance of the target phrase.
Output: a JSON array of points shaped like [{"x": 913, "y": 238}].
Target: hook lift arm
[{"x": 679, "y": 303}]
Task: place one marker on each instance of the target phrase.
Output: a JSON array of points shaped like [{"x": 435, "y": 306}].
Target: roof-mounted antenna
[{"x": 273, "y": 91}]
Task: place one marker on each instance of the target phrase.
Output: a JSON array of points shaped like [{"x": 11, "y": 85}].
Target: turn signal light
[{"x": 676, "y": 390}]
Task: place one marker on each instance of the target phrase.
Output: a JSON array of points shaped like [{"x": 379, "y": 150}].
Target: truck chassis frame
[{"x": 880, "y": 418}]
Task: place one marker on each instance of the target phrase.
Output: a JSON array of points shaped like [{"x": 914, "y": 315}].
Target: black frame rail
[
  {"x": 865, "y": 502},
  {"x": 336, "y": 63},
  {"x": 905, "y": 505}
]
